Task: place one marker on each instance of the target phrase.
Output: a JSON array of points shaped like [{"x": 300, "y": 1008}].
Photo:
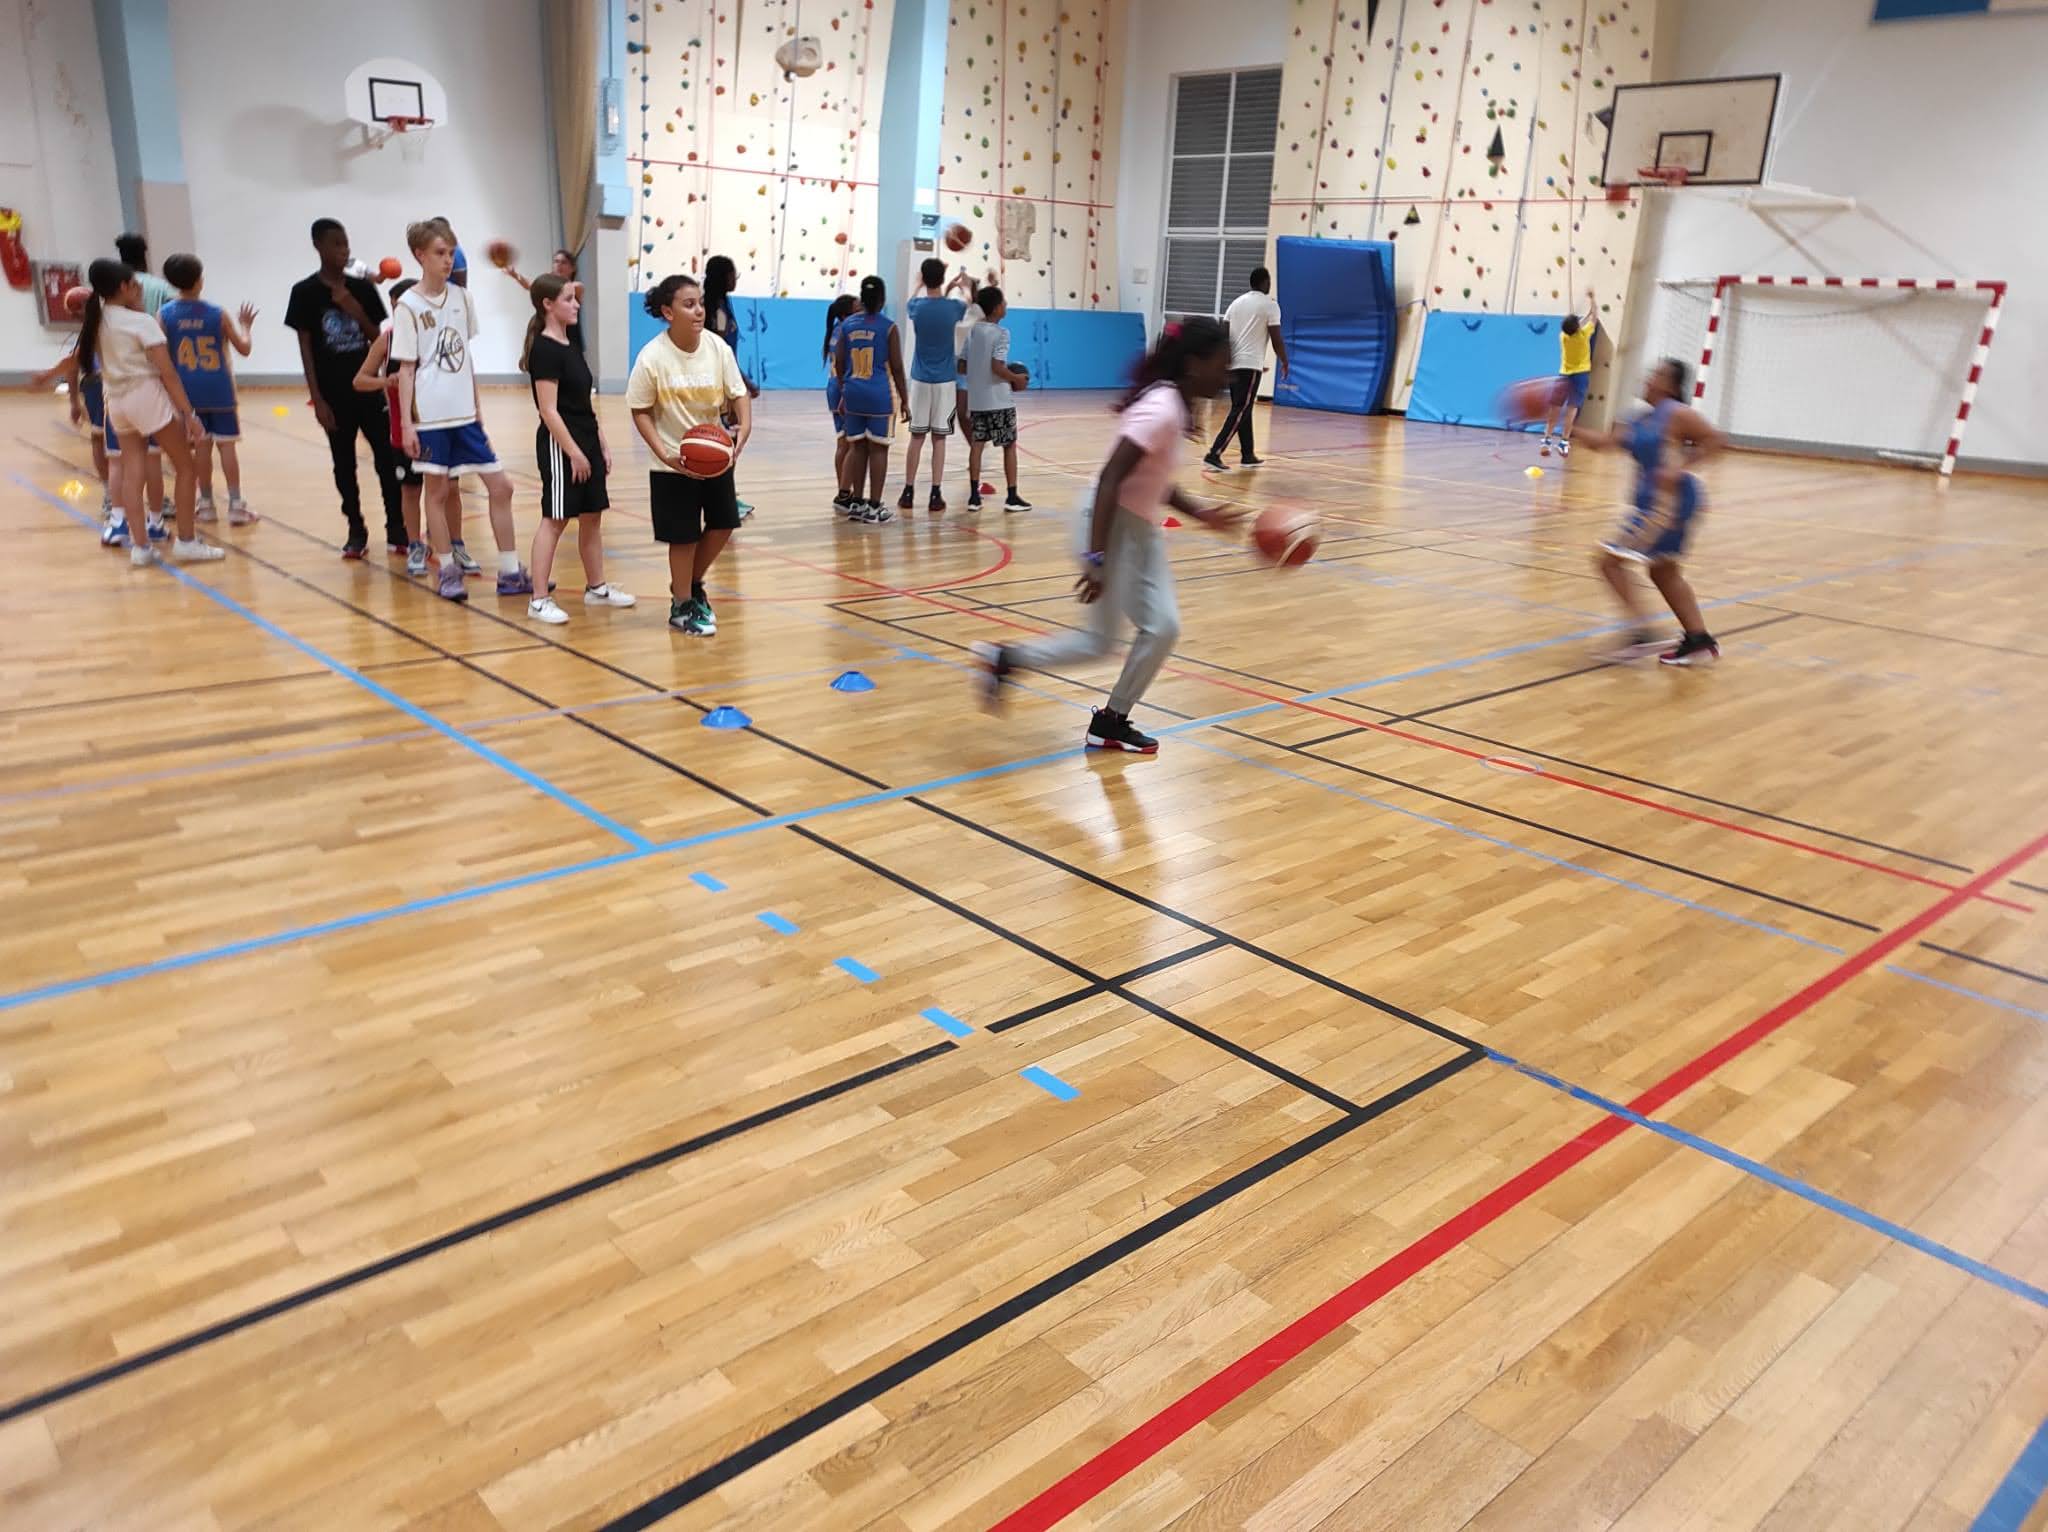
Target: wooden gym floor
[{"x": 444, "y": 1084}]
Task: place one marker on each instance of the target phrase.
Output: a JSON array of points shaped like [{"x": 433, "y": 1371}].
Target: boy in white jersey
[{"x": 431, "y": 330}]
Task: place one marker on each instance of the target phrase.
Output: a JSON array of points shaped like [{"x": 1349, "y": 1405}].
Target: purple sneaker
[
  {"x": 519, "y": 583},
  {"x": 449, "y": 582}
]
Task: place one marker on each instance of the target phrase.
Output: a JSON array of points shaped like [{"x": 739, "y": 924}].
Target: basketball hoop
[
  {"x": 412, "y": 134},
  {"x": 1673, "y": 176}
]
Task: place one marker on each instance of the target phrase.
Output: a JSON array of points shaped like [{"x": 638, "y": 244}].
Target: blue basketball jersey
[
  {"x": 862, "y": 346},
  {"x": 196, "y": 334}
]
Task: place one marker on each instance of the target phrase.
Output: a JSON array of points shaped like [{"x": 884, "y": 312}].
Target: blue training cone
[
  {"x": 726, "y": 718},
  {"x": 852, "y": 681}
]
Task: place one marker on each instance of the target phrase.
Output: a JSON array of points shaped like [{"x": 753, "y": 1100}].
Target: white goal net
[{"x": 1853, "y": 371}]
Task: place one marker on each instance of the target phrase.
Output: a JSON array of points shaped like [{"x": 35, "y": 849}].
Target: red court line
[
  {"x": 1790, "y": 842},
  {"x": 1276, "y": 1351}
]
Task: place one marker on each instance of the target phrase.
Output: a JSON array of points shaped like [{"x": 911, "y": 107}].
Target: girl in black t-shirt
[{"x": 570, "y": 446}]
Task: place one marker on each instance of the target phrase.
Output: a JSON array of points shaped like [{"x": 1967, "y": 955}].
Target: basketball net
[{"x": 412, "y": 134}]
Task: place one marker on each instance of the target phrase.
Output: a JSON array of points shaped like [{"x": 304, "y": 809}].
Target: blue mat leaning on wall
[
  {"x": 782, "y": 340},
  {"x": 1466, "y": 360}
]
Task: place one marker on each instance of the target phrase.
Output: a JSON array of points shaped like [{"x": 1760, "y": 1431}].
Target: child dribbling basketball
[
  {"x": 1125, "y": 573},
  {"x": 1668, "y": 500}
]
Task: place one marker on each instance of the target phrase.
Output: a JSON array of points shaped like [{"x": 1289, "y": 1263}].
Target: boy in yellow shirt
[{"x": 1575, "y": 371}]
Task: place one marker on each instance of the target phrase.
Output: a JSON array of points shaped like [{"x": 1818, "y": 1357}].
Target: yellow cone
[
  {"x": 1533, "y": 471},
  {"x": 73, "y": 489},
  {"x": 281, "y": 410}
]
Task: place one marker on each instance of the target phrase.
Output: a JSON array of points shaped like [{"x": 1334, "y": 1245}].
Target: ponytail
[
  {"x": 1179, "y": 343},
  {"x": 106, "y": 278},
  {"x": 543, "y": 291},
  {"x": 842, "y": 305}
]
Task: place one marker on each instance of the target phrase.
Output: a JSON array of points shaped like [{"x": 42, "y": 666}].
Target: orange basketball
[
  {"x": 499, "y": 253},
  {"x": 706, "y": 450},
  {"x": 74, "y": 300},
  {"x": 958, "y": 236},
  {"x": 1530, "y": 399},
  {"x": 1287, "y": 536},
  {"x": 388, "y": 268}
]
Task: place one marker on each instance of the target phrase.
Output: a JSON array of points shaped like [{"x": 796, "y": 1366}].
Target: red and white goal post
[{"x": 1852, "y": 370}]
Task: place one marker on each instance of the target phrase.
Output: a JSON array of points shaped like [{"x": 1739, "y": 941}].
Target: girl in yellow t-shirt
[{"x": 1574, "y": 371}]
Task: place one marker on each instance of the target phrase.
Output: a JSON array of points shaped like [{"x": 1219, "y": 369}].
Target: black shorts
[
  {"x": 561, "y": 497},
  {"x": 996, "y": 427},
  {"x": 684, "y": 508}
]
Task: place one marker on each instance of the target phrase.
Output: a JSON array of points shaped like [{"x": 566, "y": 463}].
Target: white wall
[
  {"x": 56, "y": 158},
  {"x": 267, "y": 149},
  {"x": 1167, "y": 38},
  {"x": 1935, "y": 127}
]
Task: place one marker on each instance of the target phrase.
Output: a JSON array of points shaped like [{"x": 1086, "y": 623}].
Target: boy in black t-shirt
[
  {"x": 336, "y": 316},
  {"x": 570, "y": 446}
]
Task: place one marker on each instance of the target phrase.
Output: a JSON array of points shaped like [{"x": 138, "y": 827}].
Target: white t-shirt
[
  {"x": 1247, "y": 318},
  {"x": 683, "y": 388},
  {"x": 435, "y": 334},
  {"x": 125, "y": 338},
  {"x": 1157, "y": 421},
  {"x": 987, "y": 344}
]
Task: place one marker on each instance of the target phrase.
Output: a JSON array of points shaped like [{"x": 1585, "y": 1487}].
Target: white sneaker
[
  {"x": 202, "y": 509},
  {"x": 239, "y": 514},
  {"x": 1564, "y": 449},
  {"x": 543, "y": 609},
  {"x": 606, "y": 595},
  {"x": 196, "y": 552},
  {"x": 142, "y": 557}
]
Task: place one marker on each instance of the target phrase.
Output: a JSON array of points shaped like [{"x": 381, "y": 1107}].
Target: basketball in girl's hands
[
  {"x": 500, "y": 253},
  {"x": 958, "y": 236},
  {"x": 1286, "y": 536},
  {"x": 1530, "y": 399},
  {"x": 74, "y": 300},
  {"x": 388, "y": 268},
  {"x": 706, "y": 450}
]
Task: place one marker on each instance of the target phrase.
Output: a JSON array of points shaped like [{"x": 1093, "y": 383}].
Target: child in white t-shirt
[
  {"x": 145, "y": 402},
  {"x": 1124, "y": 557},
  {"x": 431, "y": 328}
]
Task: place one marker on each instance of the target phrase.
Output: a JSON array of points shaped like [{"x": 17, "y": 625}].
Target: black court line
[
  {"x": 1720, "y": 803},
  {"x": 1532, "y": 824},
  {"x": 1985, "y": 962},
  {"x": 1885, "y": 627},
  {"x": 906, "y": 1368},
  {"x": 547, "y": 1201},
  {"x": 2032, "y": 888}
]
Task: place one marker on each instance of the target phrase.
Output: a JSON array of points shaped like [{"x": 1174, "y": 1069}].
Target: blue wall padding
[
  {"x": 781, "y": 342},
  {"x": 1337, "y": 316},
  {"x": 1467, "y": 360}
]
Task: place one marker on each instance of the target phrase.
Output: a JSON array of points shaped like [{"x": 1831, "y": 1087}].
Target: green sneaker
[
  {"x": 707, "y": 620},
  {"x": 681, "y": 614}
]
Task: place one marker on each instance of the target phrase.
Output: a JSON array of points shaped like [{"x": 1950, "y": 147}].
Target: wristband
[{"x": 1092, "y": 559}]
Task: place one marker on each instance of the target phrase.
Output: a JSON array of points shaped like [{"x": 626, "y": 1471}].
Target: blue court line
[
  {"x": 1050, "y": 1083},
  {"x": 705, "y": 880},
  {"x": 1968, "y": 994},
  {"x": 775, "y": 922},
  {"x": 857, "y": 968},
  {"x": 946, "y": 1022},
  {"x": 2018, "y": 1287},
  {"x": 412, "y": 710},
  {"x": 2019, "y": 1491}
]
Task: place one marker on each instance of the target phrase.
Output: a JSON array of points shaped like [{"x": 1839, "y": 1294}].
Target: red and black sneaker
[
  {"x": 1693, "y": 649},
  {"x": 995, "y": 664},
  {"x": 1114, "y": 731}
]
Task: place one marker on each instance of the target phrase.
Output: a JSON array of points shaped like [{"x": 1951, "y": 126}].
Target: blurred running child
[
  {"x": 992, "y": 412},
  {"x": 1124, "y": 554},
  {"x": 200, "y": 334},
  {"x": 1668, "y": 501}
]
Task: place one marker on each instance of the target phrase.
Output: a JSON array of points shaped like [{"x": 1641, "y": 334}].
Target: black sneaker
[
  {"x": 1251, "y": 462},
  {"x": 681, "y": 613},
  {"x": 906, "y": 500},
  {"x": 995, "y": 669},
  {"x": 974, "y": 501},
  {"x": 1015, "y": 502},
  {"x": 358, "y": 544},
  {"x": 878, "y": 513},
  {"x": 844, "y": 503},
  {"x": 937, "y": 504},
  {"x": 1114, "y": 731},
  {"x": 1693, "y": 649},
  {"x": 1211, "y": 460}
]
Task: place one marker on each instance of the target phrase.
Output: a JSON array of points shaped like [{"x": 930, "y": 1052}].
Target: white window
[{"x": 1219, "y": 188}]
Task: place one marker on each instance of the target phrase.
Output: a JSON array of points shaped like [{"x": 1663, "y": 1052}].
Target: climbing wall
[
  {"x": 733, "y": 159},
  {"x": 1028, "y": 145},
  {"x": 1463, "y": 130}
]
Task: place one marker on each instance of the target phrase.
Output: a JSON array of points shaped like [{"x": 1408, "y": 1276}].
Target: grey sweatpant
[{"x": 1137, "y": 585}]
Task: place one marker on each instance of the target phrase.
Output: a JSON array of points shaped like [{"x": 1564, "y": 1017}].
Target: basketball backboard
[
  {"x": 382, "y": 89},
  {"x": 1717, "y": 131}
]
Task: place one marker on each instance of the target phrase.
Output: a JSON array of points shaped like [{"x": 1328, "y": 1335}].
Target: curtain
[{"x": 571, "y": 30}]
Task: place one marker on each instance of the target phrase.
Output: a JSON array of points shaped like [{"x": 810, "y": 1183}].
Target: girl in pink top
[{"x": 1124, "y": 555}]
